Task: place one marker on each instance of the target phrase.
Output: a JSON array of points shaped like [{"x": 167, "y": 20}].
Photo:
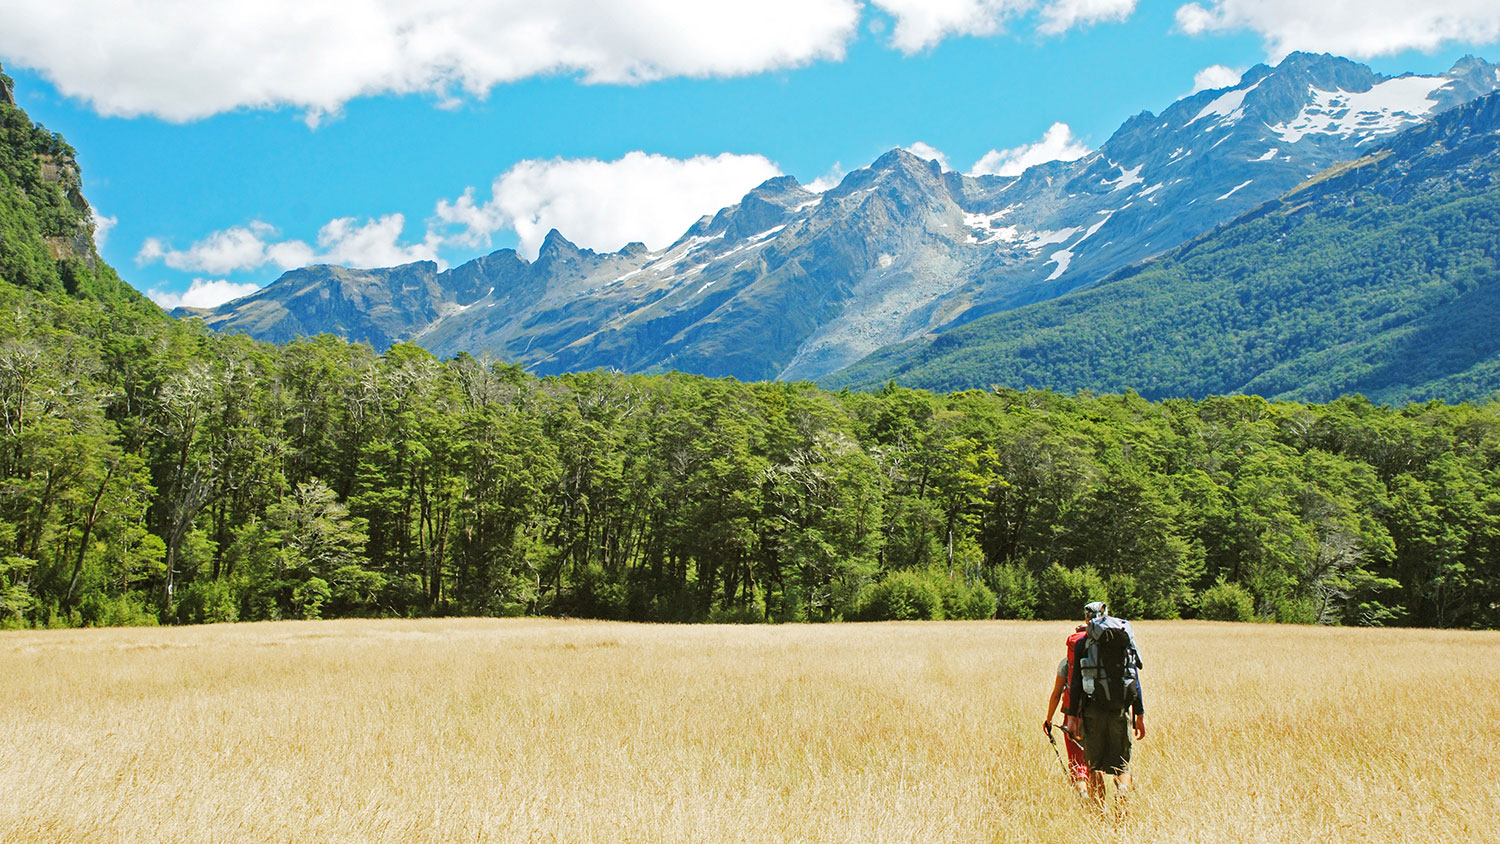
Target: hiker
[
  {"x": 1078, "y": 769},
  {"x": 1105, "y": 691}
]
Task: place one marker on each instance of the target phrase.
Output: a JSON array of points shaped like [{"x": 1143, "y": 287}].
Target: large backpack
[{"x": 1109, "y": 663}]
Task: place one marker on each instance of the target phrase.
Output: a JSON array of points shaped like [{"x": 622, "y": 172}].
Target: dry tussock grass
[{"x": 543, "y": 731}]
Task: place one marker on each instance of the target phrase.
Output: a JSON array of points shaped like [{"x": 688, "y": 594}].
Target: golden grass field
[{"x": 543, "y": 731}]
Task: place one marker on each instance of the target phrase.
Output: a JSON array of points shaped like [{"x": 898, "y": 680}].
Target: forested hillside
[
  {"x": 182, "y": 476},
  {"x": 151, "y": 471},
  {"x": 1380, "y": 277}
]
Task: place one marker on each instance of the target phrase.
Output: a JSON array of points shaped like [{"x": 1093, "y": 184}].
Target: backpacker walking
[
  {"x": 1104, "y": 694},
  {"x": 1078, "y": 769}
]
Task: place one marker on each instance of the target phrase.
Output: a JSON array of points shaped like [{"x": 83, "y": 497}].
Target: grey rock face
[{"x": 793, "y": 284}]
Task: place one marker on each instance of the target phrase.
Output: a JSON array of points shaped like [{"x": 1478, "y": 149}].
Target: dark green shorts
[{"x": 1106, "y": 740}]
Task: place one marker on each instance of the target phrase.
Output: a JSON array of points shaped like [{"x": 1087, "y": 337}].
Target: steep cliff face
[
  {"x": 794, "y": 284},
  {"x": 46, "y": 225}
]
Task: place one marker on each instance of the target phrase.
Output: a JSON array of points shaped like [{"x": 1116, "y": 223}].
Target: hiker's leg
[
  {"x": 1096, "y": 786},
  {"x": 1078, "y": 767}
]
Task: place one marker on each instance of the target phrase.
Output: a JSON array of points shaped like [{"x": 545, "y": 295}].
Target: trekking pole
[
  {"x": 1047, "y": 728},
  {"x": 1065, "y": 731}
]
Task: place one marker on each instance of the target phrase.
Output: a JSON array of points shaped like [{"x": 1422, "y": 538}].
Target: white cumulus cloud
[
  {"x": 925, "y": 150},
  {"x": 1356, "y": 28},
  {"x": 182, "y": 61},
  {"x": 1057, "y": 144},
  {"x": 597, "y": 204},
  {"x": 202, "y": 293},
  {"x": 603, "y": 205},
  {"x": 346, "y": 241},
  {"x": 1216, "y": 76}
]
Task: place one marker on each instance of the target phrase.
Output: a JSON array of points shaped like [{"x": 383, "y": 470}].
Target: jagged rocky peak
[
  {"x": 556, "y": 248},
  {"x": 907, "y": 163},
  {"x": 556, "y": 242},
  {"x": 896, "y": 169},
  {"x": 1472, "y": 77},
  {"x": 785, "y": 191},
  {"x": 1272, "y": 94},
  {"x": 766, "y": 206},
  {"x": 1323, "y": 98}
]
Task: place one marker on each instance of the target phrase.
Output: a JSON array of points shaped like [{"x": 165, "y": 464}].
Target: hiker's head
[{"x": 1094, "y": 609}]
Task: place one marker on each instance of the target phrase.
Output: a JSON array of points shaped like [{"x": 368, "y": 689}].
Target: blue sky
[{"x": 224, "y": 146}]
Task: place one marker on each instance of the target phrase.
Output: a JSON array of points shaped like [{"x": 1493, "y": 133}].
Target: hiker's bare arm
[{"x": 1057, "y": 688}]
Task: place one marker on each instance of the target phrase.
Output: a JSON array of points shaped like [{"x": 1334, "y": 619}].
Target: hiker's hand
[
  {"x": 1140, "y": 727},
  {"x": 1047, "y": 728},
  {"x": 1070, "y": 724}
]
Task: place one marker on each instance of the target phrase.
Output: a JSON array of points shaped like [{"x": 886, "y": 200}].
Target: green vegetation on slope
[
  {"x": 46, "y": 226},
  {"x": 1380, "y": 278},
  {"x": 183, "y": 476}
]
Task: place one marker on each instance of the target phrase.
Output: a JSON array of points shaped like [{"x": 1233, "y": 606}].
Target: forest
[{"x": 154, "y": 472}]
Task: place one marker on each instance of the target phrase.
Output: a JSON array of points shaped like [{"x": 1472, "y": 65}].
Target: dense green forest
[{"x": 151, "y": 471}]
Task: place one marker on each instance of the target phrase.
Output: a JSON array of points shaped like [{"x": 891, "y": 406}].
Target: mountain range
[
  {"x": 1379, "y": 277},
  {"x": 896, "y": 262}
]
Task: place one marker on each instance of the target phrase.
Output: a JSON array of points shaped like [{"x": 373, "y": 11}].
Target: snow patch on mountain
[
  {"x": 1234, "y": 189},
  {"x": 1046, "y": 238},
  {"x": 983, "y": 229},
  {"x": 1388, "y": 107},
  {"x": 1230, "y": 107},
  {"x": 1127, "y": 177},
  {"x": 1062, "y": 258},
  {"x": 1268, "y": 155}
]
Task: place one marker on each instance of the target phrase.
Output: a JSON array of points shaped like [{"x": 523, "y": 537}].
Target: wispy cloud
[
  {"x": 1062, "y": 15},
  {"x": 923, "y": 23},
  {"x": 1057, "y": 144},
  {"x": 1356, "y": 28}
]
